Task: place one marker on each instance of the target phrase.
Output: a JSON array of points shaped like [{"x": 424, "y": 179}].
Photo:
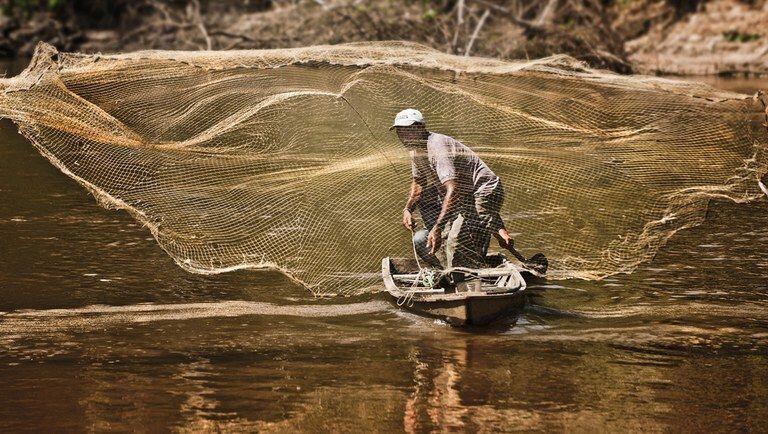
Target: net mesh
[{"x": 282, "y": 158}]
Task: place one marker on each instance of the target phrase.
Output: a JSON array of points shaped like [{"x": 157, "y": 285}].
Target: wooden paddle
[{"x": 538, "y": 262}]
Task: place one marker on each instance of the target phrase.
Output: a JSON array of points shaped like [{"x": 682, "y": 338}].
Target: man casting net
[
  {"x": 282, "y": 158},
  {"x": 458, "y": 196}
]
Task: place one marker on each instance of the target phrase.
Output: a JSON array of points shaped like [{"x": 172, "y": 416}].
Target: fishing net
[{"x": 282, "y": 158}]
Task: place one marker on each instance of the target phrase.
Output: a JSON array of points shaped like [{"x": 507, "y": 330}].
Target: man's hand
[
  {"x": 407, "y": 219},
  {"x": 434, "y": 240},
  {"x": 508, "y": 244}
]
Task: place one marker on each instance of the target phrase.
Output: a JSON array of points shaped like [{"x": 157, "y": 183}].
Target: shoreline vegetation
[{"x": 665, "y": 37}]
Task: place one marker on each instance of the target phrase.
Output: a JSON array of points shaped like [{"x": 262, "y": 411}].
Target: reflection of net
[{"x": 282, "y": 158}]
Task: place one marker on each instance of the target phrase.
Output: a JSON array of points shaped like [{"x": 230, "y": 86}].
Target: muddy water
[{"x": 100, "y": 330}]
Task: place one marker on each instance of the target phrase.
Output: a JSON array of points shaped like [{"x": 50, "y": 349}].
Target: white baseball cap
[{"x": 407, "y": 117}]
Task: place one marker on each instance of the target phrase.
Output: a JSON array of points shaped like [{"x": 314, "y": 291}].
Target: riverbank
[{"x": 721, "y": 37}]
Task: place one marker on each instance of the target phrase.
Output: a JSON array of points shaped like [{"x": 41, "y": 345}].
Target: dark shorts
[{"x": 486, "y": 219}]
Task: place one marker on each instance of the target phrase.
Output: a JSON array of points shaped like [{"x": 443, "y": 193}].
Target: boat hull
[
  {"x": 468, "y": 307},
  {"x": 465, "y": 310}
]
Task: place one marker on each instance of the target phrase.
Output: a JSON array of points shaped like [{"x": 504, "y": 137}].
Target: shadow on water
[{"x": 100, "y": 330}]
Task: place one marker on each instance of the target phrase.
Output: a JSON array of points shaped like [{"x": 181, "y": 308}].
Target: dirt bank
[{"x": 722, "y": 37}]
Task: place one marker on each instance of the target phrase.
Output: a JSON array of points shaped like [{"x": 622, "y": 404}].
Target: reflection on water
[{"x": 99, "y": 330}]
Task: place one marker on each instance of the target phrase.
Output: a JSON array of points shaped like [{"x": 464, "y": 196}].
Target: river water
[{"x": 100, "y": 330}]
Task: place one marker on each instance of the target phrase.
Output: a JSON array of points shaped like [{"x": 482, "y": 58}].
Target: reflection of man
[{"x": 457, "y": 194}]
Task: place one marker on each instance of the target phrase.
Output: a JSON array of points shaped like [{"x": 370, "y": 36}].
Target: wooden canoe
[{"x": 480, "y": 298}]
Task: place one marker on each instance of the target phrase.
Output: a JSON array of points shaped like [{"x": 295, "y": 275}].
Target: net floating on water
[{"x": 282, "y": 158}]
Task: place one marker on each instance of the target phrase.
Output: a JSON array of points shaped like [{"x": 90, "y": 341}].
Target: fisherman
[{"x": 458, "y": 196}]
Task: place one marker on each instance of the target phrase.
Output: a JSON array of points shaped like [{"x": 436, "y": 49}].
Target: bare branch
[
  {"x": 511, "y": 15},
  {"x": 200, "y": 24},
  {"x": 547, "y": 14},
  {"x": 162, "y": 8},
  {"x": 232, "y": 35},
  {"x": 477, "y": 31},
  {"x": 459, "y": 24}
]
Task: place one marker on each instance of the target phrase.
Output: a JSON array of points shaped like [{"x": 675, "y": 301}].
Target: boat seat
[{"x": 512, "y": 280}]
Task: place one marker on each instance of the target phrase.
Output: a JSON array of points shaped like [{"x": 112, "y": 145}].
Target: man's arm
[
  {"x": 449, "y": 200},
  {"x": 414, "y": 194},
  {"x": 434, "y": 239}
]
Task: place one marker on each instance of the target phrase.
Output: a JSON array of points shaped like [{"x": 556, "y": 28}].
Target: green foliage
[
  {"x": 26, "y": 8},
  {"x": 431, "y": 4},
  {"x": 736, "y": 36}
]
